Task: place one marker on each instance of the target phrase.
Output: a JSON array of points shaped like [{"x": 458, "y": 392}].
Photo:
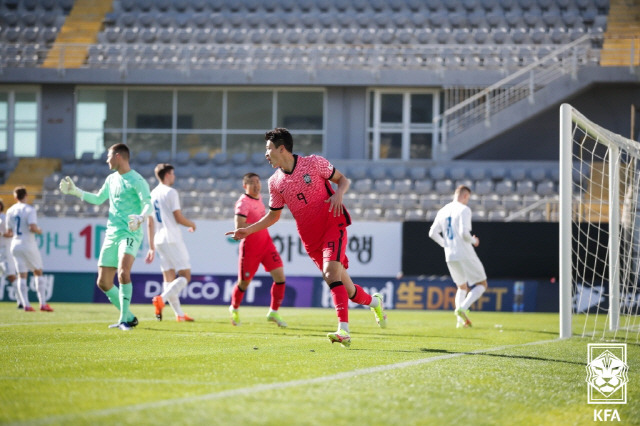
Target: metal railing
[{"x": 531, "y": 78}]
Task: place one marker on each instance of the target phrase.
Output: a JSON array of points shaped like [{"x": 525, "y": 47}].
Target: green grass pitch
[{"x": 68, "y": 368}]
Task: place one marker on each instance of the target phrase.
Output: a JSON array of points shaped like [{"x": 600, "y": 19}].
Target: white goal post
[{"x": 599, "y": 230}]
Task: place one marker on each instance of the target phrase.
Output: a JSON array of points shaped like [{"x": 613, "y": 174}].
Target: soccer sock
[
  {"x": 340, "y": 300},
  {"x": 277, "y": 295},
  {"x": 361, "y": 297},
  {"x": 460, "y": 295},
  {"x": 40, "y": 290},
  {"x": 16, "y": 291},
  {"x": 23, "y": 291},
  {"x": 343, "y": 326},
  {"x": 236, "y": 296},
  {"x": 174, "y": 288},
  {"x": 174, "y": 301},
  {"x": 126, "y": 289},
  {"x": 113, "y": 294},
  {"x": 473, "y": 295}
]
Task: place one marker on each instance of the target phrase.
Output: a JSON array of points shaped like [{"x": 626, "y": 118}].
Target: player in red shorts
[
  {"x": 256, "y": 249},
  {"x": 304, "y": 185}
]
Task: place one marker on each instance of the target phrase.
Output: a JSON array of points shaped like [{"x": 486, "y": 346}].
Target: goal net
[{"x": 599, "y": 231}]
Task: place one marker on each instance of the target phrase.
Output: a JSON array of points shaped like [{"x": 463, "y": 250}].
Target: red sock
[
  {"x": 236, "y": 296},
  {"x": 361, "y": 297},
  {"x": 277, "y": 294},
  {"x": 340, "y": 300}
]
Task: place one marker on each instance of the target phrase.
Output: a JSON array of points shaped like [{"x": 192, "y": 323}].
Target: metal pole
[
  {"x": 565, "y": 221},
  {"x": 614, "y": 238}
]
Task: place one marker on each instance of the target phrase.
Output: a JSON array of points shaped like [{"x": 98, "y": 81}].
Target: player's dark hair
[
  {"x": 1, "y": 206},
  {"x": 122, "y": 149},
  {"x": 246, "y": 177},
  {"x": 280, "y": 137},
  {"x": 162, "y": 169},
  {"x": 20, "y": 192},
  {"x": 463, "y": 188}
]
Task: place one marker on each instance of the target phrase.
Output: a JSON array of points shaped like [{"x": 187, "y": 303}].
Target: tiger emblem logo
[{"x": 607, "y": 373}]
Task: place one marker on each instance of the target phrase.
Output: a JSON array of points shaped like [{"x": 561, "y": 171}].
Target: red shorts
[
  {"x": 252, "y": 255},
  {"x": 333, "y": 248}
]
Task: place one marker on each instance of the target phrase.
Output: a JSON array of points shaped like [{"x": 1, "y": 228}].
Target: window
[
  {"x": 19, "y": 122},
  {"x": 214, "y": 121},
  {"x": 400, "y": 124}
]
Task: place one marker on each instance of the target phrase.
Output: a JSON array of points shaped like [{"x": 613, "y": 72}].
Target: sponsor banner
[
  {"x": 407, "y": 293},
  {"x": 595, "y": 299},
  {"x": 73, "y": 245},
  {"x": 216, "y": 290},
  {"x": 439, "y": 294},
  {"x": 59, "y": 287}
]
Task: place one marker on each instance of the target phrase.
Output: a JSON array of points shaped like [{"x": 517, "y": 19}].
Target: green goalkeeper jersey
[{"x": 128, "y": 194}]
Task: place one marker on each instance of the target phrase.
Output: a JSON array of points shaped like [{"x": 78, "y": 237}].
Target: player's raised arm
[
  {"x": 267, "y": 220},
  {"x": 151, "y": 233}
]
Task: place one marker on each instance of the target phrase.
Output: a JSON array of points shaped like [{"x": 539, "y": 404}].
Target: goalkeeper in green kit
[{"x": 129, "y": 205}]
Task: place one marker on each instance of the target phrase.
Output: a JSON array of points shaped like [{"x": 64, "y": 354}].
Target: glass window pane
[
  {"x": 300, "y": 110},
  {"x": 149, "y": 109},
  {"x": 3, "y": 140},
  {"x": 306, "y": 144},
  {"x": 391, "y": 108},
  {"x": 153, "y": 142},
  {"x": 420, "y": 146},
  {"x": 249, "y": 110},
  {"x": 372, "y": 97},
  {"x": 89, "y": 141},
  {"x": 25, "y": 110},
  {"x": 99, "y": 109},
  {"x": 245, "y": 143},
  {"x": 24, "y": 143},
  {"x": 422, "y": 108},
  {"x": 194, "y": 143},
  {"x": 390, "y": 145},
  {"x": 370, "y": 146},
  {"x": 199, "y": 110}
]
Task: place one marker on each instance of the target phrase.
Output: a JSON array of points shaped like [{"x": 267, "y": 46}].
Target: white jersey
[
  {"x": 19, "y": 217},
  {"x": 165, "y": 201},
  {"x": 451, "y": 229},
  {"x": 5, "y": 243}
]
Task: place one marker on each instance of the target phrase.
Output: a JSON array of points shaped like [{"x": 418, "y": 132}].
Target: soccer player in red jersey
[
  {"x": 304, "y": 185},
  {"x": 254, "y": 250}
]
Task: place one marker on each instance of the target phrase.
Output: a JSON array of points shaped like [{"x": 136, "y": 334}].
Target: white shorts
[
  {"x": 467, "y": 271},
  {"x": 26, "y": 257},
  {"x": 173, "y": 256}
]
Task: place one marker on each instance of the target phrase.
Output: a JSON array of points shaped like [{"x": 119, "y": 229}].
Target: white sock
[
  {"x": 343, "y": 326},
  {"x": 473, "y": 295},
  {"x": 23, "y": 291},
  {"x": 374, "y": 302},
  {"x": 40, "y": 291},
  {"x": 460, "y": 295},
  {"x": 173, "y": 288},
  {"x": 174, "y": 301}
]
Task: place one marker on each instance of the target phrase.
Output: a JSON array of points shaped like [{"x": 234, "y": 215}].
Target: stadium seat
[
  {"x": 423, "y": 186},
  {"x": 444, "y": 186},
  {"x": 200, "y": 158},
  {"x": 505, "y": 187}
]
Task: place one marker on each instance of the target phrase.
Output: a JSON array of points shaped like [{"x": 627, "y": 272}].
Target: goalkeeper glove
[
  {"x": 68, "y": 187},
  {"x": 134, "y": 221}
]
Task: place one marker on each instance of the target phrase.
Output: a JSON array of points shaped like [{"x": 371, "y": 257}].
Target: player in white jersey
[
  {"x": 165, "y": 237},
  {"x": 7, "y": 265},
  {"x": 22, "y": 225},
  {"x": 451, "y": 229}
]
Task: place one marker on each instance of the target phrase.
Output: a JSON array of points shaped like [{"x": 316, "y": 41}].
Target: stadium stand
[{"x": 248, "y": 35}]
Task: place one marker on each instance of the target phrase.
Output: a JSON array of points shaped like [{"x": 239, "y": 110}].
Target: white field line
[{"x": 246, "y": 391}]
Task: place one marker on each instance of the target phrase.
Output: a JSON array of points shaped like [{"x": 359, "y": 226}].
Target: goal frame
[{"x": 614, "y": 142}]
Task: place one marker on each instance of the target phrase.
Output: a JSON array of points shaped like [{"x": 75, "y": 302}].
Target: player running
[
  {"x": 304, "y": 185},
  {"x": 168, "y": 242},
  {"x": 22, "y": 225},
  {"x": 129, "y": 204},
  {"x": 254, "y": 250},
  {"x": 7, "y": 265},
  {"x": 451, "y": 229}
]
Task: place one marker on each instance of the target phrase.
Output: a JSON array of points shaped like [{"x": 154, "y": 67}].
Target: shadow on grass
[{"x": 530, "y": 358}]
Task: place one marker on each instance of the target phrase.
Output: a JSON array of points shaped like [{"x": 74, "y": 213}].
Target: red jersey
[
  {"x": 304, "y": 190},
  {"x": 253, "y": 210}
]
